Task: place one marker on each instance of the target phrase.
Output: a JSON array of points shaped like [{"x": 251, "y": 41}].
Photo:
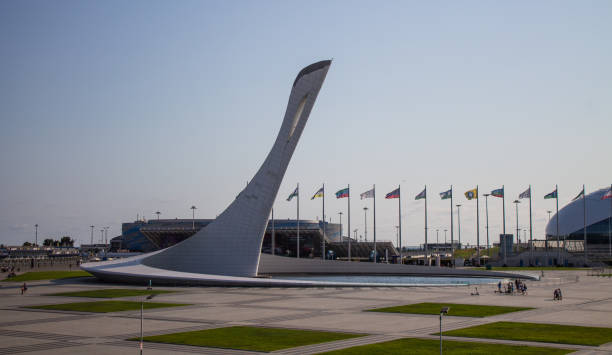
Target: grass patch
[
  {"x": 459, "y": 310},
  {"x": 464, "y": 253},
  {"x": 250, "y": 338},
  {"x": 110, "y": 293},
  {"x": 48, "y": 275},
  {"x": 105, "y": 306},
  {"x": 431, "y": 346},
  {"x": 549, "y": 333}
]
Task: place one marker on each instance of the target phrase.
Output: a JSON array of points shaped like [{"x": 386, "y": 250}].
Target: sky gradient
[{"x": 111, "y": 109}]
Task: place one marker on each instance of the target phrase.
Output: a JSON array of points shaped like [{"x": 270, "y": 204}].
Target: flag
[
  {"x": 367, "y": 194},
  {"x": 318, "y": 194},
  {"x": 526, "y": 193},
  {"x": 607, "y": 195},
  {"x": 581, "y": 194},
  {"x": 446, "y": 194},
  {"x": 422, "y": 195},
  {"x": 342, "y": 193},
  {"x": 471, "y": 194},
  {"x": 551, "y": 195},
  {"x": 393, "y": 194},
  {"x": 293, "y": 194},
  {"x": 498, "y": 192}
]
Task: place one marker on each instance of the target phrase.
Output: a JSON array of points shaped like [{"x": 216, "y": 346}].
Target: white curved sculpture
[{"x": 231, "y": 244}]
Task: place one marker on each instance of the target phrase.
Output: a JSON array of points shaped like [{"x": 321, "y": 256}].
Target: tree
[
  {"x": 66, "y": 241},
  {"x": 48, "y": 242},
  {"x": 27, "y": 244}
]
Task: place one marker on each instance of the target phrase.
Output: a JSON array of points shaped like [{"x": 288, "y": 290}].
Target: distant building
[
  {"x": 140, "y": 236},
  {"x": 571, "y": 220}
]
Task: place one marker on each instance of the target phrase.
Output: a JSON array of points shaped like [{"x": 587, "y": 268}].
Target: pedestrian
[
  {"x": 499, "y": 287},
  {"x": 24, "y": 288}
]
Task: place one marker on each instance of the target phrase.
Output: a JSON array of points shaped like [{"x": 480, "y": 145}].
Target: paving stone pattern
[{"x": 586, "y": 301}]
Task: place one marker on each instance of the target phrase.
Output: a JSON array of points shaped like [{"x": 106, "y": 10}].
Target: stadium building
[
  {"x": 153, "y": 235},
  {"x": 572, "y": 221}
]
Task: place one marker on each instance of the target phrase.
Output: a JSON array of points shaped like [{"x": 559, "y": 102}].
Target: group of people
[
  {"x": 557, "y": 295},
  {"x": 512, "y": 287}
]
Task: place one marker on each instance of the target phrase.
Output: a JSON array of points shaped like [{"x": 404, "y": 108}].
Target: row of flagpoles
[{"x": 472, "y": 194}]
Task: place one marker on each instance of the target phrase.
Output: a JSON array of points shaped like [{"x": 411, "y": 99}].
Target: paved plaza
[{"x": 587, "y": 301}]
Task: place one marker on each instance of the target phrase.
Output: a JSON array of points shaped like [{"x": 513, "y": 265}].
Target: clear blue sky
[{"x": 109, "y": 109}]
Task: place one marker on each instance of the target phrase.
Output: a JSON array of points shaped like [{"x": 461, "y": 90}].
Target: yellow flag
[{"x": 471, "y": 194}]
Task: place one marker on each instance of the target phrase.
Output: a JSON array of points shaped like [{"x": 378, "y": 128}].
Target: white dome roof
[{"x": 571, "y": 216}]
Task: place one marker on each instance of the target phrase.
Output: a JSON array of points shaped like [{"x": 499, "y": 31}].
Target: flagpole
[
  {"x": 323, "y": 242},
  {"x": 349, "y": 222},
  {"x": 298, "y": 221},
  {"x": 399, "y": 205},
  {"x": 558, "y": 249},
  {"x": 530, "y": 229},
  {"x": 426, "y": 249},
  {"x": 610, "y": 226},
  {"x": 477, "y": 228},
  {"x": 487, "y": 221},
  {"x": 375, "y": 253},
  {"x": 452, "y": 228},
  {"x": 504, "y": 224},
  {"x": 585, "y": 232}
]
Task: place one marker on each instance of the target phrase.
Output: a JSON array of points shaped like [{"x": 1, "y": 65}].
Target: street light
[
  {"x": 158, "y": 213},
  {"x": 445, "y": 238},
  {"x": 193, "y": 208},
  {"x": 92, "y": 228},
  {"x": 459, "y": 224},
  {"x": 437, "y": 243},
  {"x": 549, "y": 212},
  {"x": 141, "y": 318},
  {"x": 516, "y": 202},
  {"x": 365, "y": 223},
  {"x": 443, "y": 311},
  {"x": 36, "y": 240}
]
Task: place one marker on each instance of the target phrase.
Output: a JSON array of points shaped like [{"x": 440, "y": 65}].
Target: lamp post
[
  {"x": 437, "y": 242},
  {"x": 141, "y": 320},
  {"x": 459, "y": 224},
  {"x": 101, "y": 235},
  {"x": 365, "y": 223},
  {"x": 193, "y": 208},
  {"x": 443, "y": 311},
  {"x": 549, "y": 212},
  {"x": 445, "y": 238},
  {"x": 158, "y": 213},
  {"x": 36, "y": 235},
  {"x": 92, "y": 228},
  {"x": 518, "y": 231}
]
